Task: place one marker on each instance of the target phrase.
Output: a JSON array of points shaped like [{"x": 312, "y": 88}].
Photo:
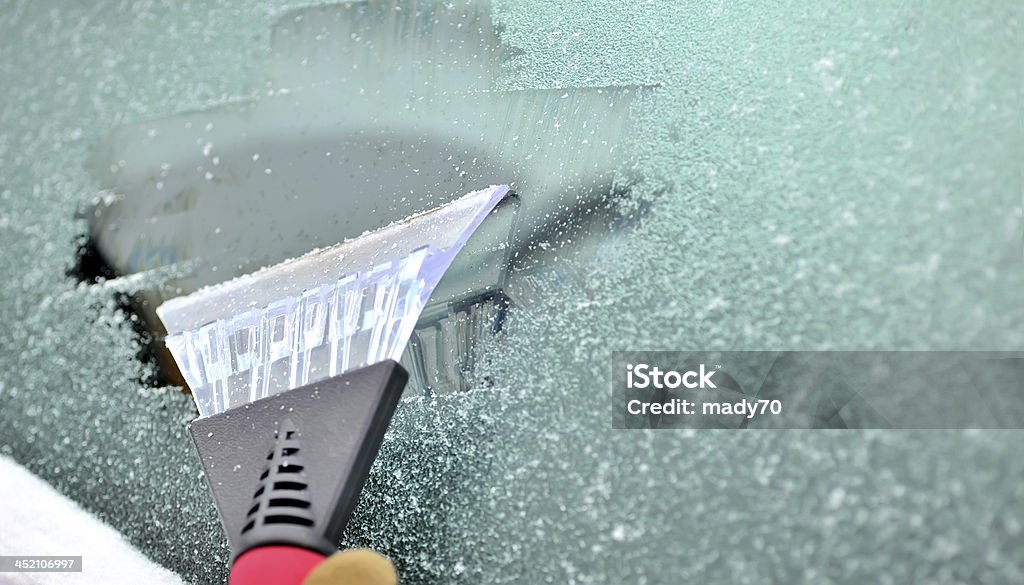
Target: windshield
[{"x": 690, "y": 176}]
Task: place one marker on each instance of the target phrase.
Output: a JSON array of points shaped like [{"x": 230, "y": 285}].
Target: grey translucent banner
[{"x": 828, "y": 389}]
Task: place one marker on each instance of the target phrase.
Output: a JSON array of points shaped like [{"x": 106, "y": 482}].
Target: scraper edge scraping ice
[{"x": 294, "y": 371}]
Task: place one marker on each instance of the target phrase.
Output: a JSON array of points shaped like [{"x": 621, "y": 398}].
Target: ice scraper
[{"x": 294, "y": 370}]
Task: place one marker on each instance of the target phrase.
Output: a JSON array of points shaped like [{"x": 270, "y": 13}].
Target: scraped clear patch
[{"x": 328, "y": 312}]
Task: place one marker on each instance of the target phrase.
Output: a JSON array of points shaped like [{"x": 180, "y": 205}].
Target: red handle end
[{"x": 274, "y": 565}]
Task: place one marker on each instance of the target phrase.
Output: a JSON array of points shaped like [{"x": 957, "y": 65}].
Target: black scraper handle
[{"x": 286, "y": 471}]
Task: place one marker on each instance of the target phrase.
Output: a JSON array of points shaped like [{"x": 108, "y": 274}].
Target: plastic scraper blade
[{"x": 319, "y": 315}]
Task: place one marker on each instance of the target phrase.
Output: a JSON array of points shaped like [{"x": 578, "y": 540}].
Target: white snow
[{"x": 36, "y": 520}]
